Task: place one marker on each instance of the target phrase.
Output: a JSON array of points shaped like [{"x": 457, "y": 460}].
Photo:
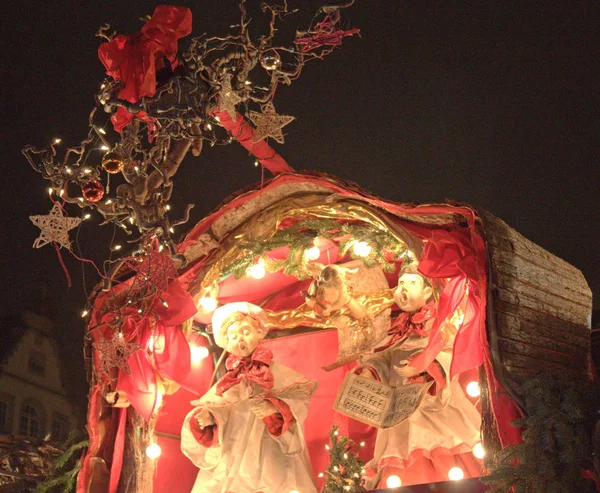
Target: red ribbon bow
[
  {"x": 407, "y": 324},
  {"x": 254, "y": 368}
]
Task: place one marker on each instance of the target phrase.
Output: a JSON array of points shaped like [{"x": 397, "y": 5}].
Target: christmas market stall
[{"x": 306, "y": 335}]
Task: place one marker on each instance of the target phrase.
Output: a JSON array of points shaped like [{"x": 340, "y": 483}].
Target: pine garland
[
  {"x": 61, "y": 480},
  {"x": 301, "y": 236},
  {"x": 345, "y": 467},
  {"x": 557, "y": 441}
]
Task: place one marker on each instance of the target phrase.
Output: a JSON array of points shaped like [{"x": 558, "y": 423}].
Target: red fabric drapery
[{"x": 134, "y": 59}]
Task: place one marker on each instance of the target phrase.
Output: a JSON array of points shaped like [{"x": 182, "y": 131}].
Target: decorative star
[
  {"x": 228, "y": 98},
  {"x": 115, "y": 352},
  {"x": 154, "y": 272},
  {"x": 269, "y": 123},
  {"x": 55, "y": 227}
]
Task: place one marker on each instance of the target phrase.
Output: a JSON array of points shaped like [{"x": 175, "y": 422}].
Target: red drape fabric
[{"x": 133, "y": 59}]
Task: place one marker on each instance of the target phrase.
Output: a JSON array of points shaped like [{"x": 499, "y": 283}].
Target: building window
[
  {"x": 60, "y": 427},
  {"x": 37, "y": 363},
  {"x": 7, "y": 403},
  {"x": 3, "y": 417},
  {"x": 29, "y": 421}
]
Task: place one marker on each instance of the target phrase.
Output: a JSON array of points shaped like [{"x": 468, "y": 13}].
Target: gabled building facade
[{"x": 33, "y": 400}]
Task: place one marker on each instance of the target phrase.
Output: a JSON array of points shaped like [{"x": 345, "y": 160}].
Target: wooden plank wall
[{"x": 541, "y": 305}]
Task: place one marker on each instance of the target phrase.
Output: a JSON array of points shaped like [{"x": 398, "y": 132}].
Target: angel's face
[
  {"x": 411, "y": 293},
  {"x": 243, "y": 337}
]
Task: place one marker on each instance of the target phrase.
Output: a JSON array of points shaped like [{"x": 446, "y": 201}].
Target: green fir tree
[
  {"x": 557, "y": 439},
  {"x": 345, "y": 468},
  {"x": 65, "y": 468}
]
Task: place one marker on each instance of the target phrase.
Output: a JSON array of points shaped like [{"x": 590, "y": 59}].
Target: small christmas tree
[{"x": 345, "y": 467}]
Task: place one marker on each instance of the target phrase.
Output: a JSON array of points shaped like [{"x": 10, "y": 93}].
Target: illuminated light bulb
[
  {"x": 161, "y": 248},
  {"x": 345, "y": 456},
  {"x": 361, "y": 248},
  {"x": 153, "y": 451},
  {"x": 321, "y": 474},
  {"x": 139, "y": 310},
  {"x": 168, "y": 207},
  {"x": 104, "y": 148},
  {"x": 102, "y": 131},
  {"x": 478, "y": 450},
  {"x": 198, "y": 353},
  {"x": 257, "y": 271},
  {"x": 256, "y": 163},
  {"x": 247, "y": 82},
  {"x": 208, "y": 126},
  {"x": 393, "y": 481},
  {"x": 117, "y": 247},
  {"x": 165, "y": 304},
  {"x": 68, "y": 170},
  {"x": 326, "y": 447},
  {"x": 356, "y": 475},
  {"x": 136, "y": 168},
  {"x": 208, "y": 303},
  {"x": 87, "y": 216},
  {"x": 347, "y": 488},
  {"x": 50, "y": 191},
  {"x": 109, "y": 201},
  {"x": 336, "y": 468},
  {"x": 473, "y": 389},
  {"x": 84, "y": 313},
  {"x": 456, "y": 474},
  {"x": 131, "y": 220},
  {"x": 57, "y": 140},
  {"x": 336, "y": 432},
  {"x": 312, "y": 253},
  {"x": 171, "y": 230},
  {"x": 80, "y": 199},
  {"x": 362, "y": 444},
  {"x": 120, "y": 335},
  {"x": 217, "y": 118},
  {"x": 102, "y": 86},
  {"x": 87, "y": 171},
  {"x": 61, "y": 193}
]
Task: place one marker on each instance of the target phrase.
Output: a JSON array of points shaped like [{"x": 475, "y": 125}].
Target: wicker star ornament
[
  {"x": 54, "y": 227},
  {"x": 228, "y": 98},
  {"x": 269, "y": 123},
  {"x": 115, "y": 353}
]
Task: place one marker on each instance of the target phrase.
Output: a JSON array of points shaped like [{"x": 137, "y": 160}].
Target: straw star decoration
[
  {"x": 269, "y": 124},
  {"x": 228, "y": 98},
  {"x": 115, "y": 353},
  {"x": 55, "y": 227}
]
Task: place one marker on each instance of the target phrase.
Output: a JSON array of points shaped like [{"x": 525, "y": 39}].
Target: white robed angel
[{"x": 246, "y": 433}]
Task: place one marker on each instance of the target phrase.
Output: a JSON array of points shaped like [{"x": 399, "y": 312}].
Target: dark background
[{"x": 480, "y": 102}]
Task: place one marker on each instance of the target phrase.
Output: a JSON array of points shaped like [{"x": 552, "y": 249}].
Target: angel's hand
[
  {"x": 204, "y": 419},
  {"x": 262, "y": 408},
  {"x": 404, "y": 369}
]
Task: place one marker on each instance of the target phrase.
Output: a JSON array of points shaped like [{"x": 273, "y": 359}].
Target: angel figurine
[
  {"x": 446, "y": 423},
  {"x": 246, "y": 433}
]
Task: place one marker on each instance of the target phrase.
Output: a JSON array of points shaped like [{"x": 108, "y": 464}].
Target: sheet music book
[{"x": 376, "y": 403}]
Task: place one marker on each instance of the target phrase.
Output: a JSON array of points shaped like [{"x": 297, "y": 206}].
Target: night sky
[{"x": 484, "y": 103}]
